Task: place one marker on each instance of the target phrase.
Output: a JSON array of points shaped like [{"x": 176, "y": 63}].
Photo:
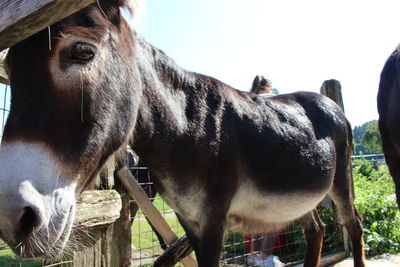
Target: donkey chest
[{"x": 187, "y": 201}]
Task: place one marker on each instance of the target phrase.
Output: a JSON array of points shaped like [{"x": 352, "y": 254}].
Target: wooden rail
[
  {"x": 151, "y": 212},
  {"x": 98, "y": 208},
  {"x": 3, "y": 74},
  {"x": 20, "y": 19}
]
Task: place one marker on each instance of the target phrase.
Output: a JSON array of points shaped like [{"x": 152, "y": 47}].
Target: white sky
[{"x": 297, "y": 44}]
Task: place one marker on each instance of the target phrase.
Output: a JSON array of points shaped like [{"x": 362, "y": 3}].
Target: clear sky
[{"x": 297, "y": 44}]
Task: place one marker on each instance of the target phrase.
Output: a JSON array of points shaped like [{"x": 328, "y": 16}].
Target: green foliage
[
  {"x": 364, "y": 167},
  {"x": 358, "y": 132},
  {"x": 371, "y": 138},
  {"x": 234, "y": 242},
  {"x": 7, "y": 258},
  {"x": 376, "y": 201},
  {"x": 367, "y": 138}
]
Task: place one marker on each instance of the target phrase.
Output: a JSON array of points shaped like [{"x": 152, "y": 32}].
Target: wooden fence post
[
  {"x": 151, "y": 212},
  {"x": 96, "y": 212},
  {"x": 333, "y": 89}
]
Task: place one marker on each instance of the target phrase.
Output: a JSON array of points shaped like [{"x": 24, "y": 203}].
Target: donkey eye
[{"x": 82, "y": 53}]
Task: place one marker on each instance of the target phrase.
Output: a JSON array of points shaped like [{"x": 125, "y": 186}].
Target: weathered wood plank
[
  {"x": 98, "y": 208},
  {"x": 151, "y": 212},
  {"x": 3, "y": 74},
  {"x": 176, "y": 251},
  {"x": 20, "y": 19},
  {"x": 333, "y": 90}
]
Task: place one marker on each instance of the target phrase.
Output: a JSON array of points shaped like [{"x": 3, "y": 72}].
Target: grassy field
[
  {"x": 8, "y": 259},
  {"x": 142, "y": 234},
  {"x": 145, "y": 243}
]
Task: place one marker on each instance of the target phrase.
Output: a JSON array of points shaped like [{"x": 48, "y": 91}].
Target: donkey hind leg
[
  {"x": 342, "y": 194},
  {"x": 352, "y": 221},
  {"x": 314, "y": 230}
]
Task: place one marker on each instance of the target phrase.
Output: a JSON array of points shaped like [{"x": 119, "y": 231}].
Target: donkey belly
[{"x": 252, "y": 211}]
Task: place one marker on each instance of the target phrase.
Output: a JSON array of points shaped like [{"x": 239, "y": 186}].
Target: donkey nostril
[{"x": 29, "y": 220}]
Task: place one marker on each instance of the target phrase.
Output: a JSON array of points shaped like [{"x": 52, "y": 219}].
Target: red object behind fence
[{"x": 279, "y": 241}]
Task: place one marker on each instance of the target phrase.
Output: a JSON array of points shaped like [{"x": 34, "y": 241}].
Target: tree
[
  {"x": 371, "y": 138},
  {"x": 358, "y": 133}
]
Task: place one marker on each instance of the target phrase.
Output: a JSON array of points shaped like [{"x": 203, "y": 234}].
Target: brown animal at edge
[
  {"x": 102, "y": 86},
  {"x": 389, "y": 116}
]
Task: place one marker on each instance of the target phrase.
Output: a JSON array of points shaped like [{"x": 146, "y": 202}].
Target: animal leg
[
  {"x": 352, "y": 221},
  {"x": 194, "y": 241},
  {"x": 314, "y": 230},
  {"x": 342, "y": 194},
  {"x": 191, "y": 229},
  {"x": 211, "y": 238}
]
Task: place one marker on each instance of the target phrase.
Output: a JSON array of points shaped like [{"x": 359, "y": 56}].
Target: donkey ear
[{"x": 111, "y": 8}]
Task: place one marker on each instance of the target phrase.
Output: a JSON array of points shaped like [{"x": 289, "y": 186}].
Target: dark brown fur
[{"x": 389, "y": 117}]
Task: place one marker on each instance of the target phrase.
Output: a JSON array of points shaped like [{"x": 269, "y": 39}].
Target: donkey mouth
[{"x": 50, "y": 240}]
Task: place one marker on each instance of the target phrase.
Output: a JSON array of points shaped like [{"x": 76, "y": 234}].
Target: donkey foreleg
[
  {"x": 352, "y": 222},
  {"x": 206, "y": 237},
  {"x": 314, "y": 230},
  {"x": 191, "y": 230},
  {"x": 342, "y": 194},
  {"x": 211, "y": 241}
]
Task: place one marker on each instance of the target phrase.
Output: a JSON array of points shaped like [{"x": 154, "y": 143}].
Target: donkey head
[{"x": 73, "y": 105}]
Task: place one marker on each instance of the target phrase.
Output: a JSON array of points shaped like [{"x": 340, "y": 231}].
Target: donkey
[
  {"x": 389, "y": 116},
  {"x": 221, "y": 158}
]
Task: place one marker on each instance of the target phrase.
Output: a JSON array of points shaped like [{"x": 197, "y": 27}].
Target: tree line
[{"x": 367, "y": 139}]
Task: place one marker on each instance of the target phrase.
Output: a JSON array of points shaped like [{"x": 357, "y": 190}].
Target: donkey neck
[
  {"x": 176, "y": 104},
  {"x": 165, "y": 88}
]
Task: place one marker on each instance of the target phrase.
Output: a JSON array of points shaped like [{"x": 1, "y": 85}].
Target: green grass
[
  {"x": 142, "y": 234},
  {"x": 143, "y": 238},
  {"x": 159, "y": 203},
  {"x": 7, "y": 258}
]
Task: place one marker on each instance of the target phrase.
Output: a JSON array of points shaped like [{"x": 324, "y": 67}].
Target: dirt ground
[{"x": 387, "y": 260}]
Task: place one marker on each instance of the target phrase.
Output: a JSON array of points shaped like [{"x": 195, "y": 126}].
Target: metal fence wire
[
  {"x": 147, "y": 245},
  {"x": 4, "y": 107}
]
